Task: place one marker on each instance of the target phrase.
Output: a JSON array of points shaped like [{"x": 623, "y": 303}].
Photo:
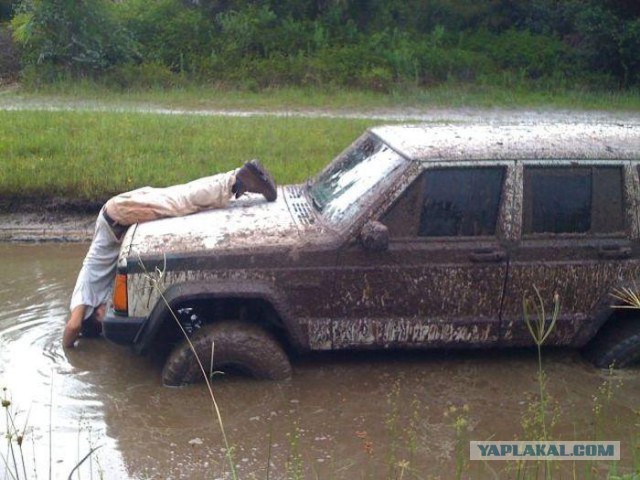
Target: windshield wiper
[{"x": 316, "y": 204}]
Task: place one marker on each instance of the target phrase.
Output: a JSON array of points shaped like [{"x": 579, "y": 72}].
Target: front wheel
[
  {"x": 617, "y": 344},
  {"x": 237, "y": 346}
]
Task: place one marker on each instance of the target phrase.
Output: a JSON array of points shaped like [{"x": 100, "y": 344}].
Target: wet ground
[
  {"x": 10, "y": 101},
  {"x": 368, "y": 415}
]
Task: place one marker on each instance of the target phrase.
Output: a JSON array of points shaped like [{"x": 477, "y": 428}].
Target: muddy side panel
[
  {"x": 576, "y": 243},
  {"x": 302, "y": 282},
  {"x": 440, "y": 283}
]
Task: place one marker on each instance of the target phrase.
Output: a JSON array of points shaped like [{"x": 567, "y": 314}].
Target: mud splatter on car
[{"x": 415, "y": 236}]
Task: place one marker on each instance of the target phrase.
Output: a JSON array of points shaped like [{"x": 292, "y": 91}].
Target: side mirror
[{"x": 374, "y": 236}]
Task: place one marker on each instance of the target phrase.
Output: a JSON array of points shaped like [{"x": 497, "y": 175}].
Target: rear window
[{"x": 573, "y": 200}]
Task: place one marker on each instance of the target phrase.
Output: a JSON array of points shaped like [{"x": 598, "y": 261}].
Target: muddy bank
[
  {"x": 49, "y": 219},
  {"x": 46, "y": 227}
]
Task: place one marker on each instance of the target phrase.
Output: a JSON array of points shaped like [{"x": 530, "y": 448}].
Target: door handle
[
  {"x": 487, "y": 256},
  {"x": 614, "y": 252}
]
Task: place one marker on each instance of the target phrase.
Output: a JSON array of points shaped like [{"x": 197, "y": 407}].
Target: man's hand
[
  {"x": 73, "y": 327},
  {"x": 100, "y": 312}
]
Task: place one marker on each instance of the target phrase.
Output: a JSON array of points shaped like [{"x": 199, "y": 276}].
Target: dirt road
[{"x": 12, "y": 102}]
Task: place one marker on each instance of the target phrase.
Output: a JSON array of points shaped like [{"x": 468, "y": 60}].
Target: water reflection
[
  {"x": 42, "y": 385},
  {"x": 341, "y": 416}
]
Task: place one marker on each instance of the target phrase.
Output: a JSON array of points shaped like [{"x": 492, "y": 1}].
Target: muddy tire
[
  {"x": 238, "y": 346},
  {"x": 616, "y": 345}
]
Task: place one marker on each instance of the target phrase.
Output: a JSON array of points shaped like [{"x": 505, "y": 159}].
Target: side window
[
  {"x": 573, "y": 200},
  {"x": 402, "y": 218},
  {"x": 460, "y": 201}
]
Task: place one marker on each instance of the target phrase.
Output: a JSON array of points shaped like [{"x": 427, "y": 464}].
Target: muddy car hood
[{"x": 246, "y": 222}]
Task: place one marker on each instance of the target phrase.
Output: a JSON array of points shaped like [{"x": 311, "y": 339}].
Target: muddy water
[{"x": 350, "y": 416}]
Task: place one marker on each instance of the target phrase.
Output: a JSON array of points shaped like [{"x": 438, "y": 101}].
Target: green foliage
[
  {"x": 6, "y": 8},
  {"x": 166, "y": 33},
  {"x": 372, "y": 44},
  {"x": 598, "y": 43},
  {"x": 9, "y": 57},
  {"x": 532, "y": 55},
  {"x": 147, "y": 75},
  {"x": 251, "y": 32},
  {"x": 630, "y": 52},
  {"x": 80, "y": 37}
]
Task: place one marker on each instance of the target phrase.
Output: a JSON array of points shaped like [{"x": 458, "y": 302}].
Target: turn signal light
[{"x": 120, "y": 300}]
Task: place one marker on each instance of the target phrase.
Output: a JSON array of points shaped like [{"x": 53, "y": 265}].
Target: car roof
[{"x": 484, "y": 142}]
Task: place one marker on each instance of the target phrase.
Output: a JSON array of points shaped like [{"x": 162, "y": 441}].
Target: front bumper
[{"x": 120, "y": 329}]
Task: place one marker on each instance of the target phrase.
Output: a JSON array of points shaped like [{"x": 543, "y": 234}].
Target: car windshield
[{"x": 340, "y": 190}]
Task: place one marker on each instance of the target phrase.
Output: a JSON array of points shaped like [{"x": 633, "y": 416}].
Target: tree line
[{"x": 372, "y": 44}]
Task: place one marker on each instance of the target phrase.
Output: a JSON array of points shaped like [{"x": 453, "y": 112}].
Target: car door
[
  {"x": 440, "y": 281},
  {"x": 575, "y": 243}
]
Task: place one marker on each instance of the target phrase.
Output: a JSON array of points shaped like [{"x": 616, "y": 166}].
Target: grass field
[{"x": 90, "y": 156}]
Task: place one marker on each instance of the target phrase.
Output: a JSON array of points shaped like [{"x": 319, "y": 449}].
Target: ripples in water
[{"x": 50, "y": 396}]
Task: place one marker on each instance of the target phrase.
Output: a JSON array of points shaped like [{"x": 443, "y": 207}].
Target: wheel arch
[
  {"x": 610, "y": 336},
  {"x": 181, "y": 294},
  {"x": 617, "y": 342},
  {"x": 605, "y": 313}
]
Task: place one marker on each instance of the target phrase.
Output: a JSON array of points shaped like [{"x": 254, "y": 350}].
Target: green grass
[{"x": 90, "y": 156}]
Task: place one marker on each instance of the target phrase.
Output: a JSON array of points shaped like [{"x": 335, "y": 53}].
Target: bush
[
  {"x": 168, "y": 33},
  {"x": 437, "y": 65},
  {"x": 146, "y": 75},
  {"x": 6, "y": 8},
  {"x": 379, "y": 79},
  {"x": 9, "y": 57},
  {"x": 76, "y": 37},
  {"x": 630, "y": 52},
  {"x": 373, "y": 44},
  {"x": 247, "y": 33},
  {"x": 531, "y": 55},
  {"x": 597, "y": 32}
]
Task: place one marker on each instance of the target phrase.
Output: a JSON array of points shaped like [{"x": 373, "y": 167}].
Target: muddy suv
[{"x": 413, "y": 237}]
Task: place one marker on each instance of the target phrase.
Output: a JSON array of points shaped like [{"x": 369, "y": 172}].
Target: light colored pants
[
  {"x": 93, "y": 286},
  {"x": 147, "y": 203}
]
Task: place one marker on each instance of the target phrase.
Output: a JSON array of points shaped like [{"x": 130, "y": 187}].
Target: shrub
[
  {"x": 77, "y": 37},
  {"x": 247, "y": 33},
  {"x": 146, "y": 75},
  {"x": 379, "y": 79},
  {"x": 529, "y": 54},
  {"x": 629, "y": 52},
  {"x": 363, "y": 43},
  {"x": 9, "y": 57},
  {"x": 168, "y": 33},
  {"x": 6, "y": 8}
]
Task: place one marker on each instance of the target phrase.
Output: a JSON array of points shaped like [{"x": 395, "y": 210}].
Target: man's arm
[{"x": 73, "y": 327}]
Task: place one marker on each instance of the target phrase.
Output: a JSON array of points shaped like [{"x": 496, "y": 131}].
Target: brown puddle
[{"x": 373, "y": 415}]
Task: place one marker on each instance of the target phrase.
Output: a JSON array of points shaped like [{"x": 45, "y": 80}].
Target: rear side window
[
  {"x": 573, "y": 200},
  {"x": 461, "y": 202}
]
